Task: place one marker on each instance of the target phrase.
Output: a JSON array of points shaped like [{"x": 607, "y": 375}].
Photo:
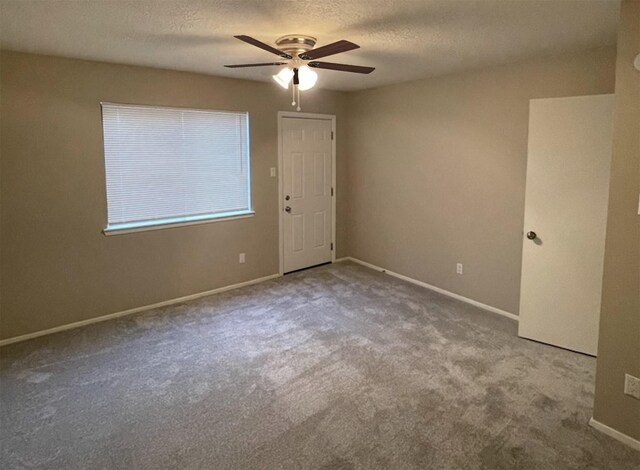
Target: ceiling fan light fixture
[
  {"x": 283, "y": 77},
  {"x": 307, "y": 78},
  {"x": 297, "y": 49}
]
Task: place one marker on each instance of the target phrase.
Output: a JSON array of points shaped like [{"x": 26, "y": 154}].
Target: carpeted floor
[{"x": 337, "y": 367}]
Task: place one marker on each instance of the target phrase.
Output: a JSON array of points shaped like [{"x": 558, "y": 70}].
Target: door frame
[{"x": 324, "y": 117}]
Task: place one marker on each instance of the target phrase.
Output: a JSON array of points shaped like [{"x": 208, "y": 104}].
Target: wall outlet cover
[{"x": 632, "y": 386}]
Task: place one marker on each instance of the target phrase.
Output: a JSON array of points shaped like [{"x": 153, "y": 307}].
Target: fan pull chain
[
  {"x": 298, "y": 108},
  {"x": 293, "y": 95}
]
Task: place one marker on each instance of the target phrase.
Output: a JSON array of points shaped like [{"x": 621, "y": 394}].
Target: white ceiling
[{"x": 403, "y": 39}]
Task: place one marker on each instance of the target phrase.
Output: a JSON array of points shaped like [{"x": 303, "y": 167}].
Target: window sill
[{"x": 122, "y": 229}]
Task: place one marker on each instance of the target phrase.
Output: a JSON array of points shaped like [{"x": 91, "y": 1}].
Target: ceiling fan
[{"x": 297, "y": 52}]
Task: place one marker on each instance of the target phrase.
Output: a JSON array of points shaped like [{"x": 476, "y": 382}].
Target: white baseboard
[
  {"x": 617, "y": 435},
  {"x": 434, "y": 288},
  {"x": 131, "y": 311}
]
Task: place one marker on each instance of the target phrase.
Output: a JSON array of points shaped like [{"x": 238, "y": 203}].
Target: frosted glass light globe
[
  {"x": 307, "y": 78},
  {"x": 283, "y": 77}
]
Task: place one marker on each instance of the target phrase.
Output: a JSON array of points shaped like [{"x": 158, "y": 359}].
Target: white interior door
[
  {"x": 307, "y": 176},
  {"x": 567, "y": 193}
]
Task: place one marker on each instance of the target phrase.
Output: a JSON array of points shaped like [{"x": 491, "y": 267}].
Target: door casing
[{"x": 297, "y": 115}]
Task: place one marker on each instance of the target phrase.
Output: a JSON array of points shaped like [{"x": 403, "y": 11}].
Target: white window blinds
[{"x": 172, "y": 165}]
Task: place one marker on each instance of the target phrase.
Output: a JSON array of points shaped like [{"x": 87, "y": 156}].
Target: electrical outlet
[
  {"x": 273, "y": 172},
  {"x": 459, "y": 268},
  {"x": 241, "y": 258},
  {"x": 632, "y": 386}
]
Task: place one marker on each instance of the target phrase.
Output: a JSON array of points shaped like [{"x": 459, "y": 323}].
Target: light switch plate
[{"x": 273, "y": 172}]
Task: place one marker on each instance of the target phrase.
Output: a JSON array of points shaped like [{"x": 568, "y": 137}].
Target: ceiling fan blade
[
  {"x": 262, "y": 45},
  {"x": 237, "y": 66},
  {"x": 329, "y": 49},
  {"x": 341, "y": 67}
]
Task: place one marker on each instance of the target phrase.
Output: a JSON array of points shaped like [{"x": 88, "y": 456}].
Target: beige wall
[
  {"x": 57, "y": 267},
  {"x": 437, "y": 167},
  {"x": 619, "y": 345}
]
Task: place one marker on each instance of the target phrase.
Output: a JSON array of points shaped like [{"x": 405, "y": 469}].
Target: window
[{"x": 174, "y": 166}]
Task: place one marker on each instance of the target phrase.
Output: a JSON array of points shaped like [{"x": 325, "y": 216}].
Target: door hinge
[
  {"x": 331, "y": 191},
  {"x": 331, "y": 135},
  {"x": 332, "y": 247}
]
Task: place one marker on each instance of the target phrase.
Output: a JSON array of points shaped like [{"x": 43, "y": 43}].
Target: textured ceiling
[{"x": 403, "y": 39}]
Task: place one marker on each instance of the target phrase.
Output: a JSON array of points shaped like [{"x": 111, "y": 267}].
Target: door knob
[
  {"x": 531, "y": 235},
  {"x": 287, "y": 209},
  {"x": 287, "y": 197}
]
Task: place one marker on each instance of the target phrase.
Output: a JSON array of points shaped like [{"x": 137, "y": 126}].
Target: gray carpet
[{"x": 337, "y": 367}]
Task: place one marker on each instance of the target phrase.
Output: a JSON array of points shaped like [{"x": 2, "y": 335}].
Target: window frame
[{"x": 180, "y": 221}]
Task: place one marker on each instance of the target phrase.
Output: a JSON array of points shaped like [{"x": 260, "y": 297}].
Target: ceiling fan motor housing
[{"x": 294, "y": 44}]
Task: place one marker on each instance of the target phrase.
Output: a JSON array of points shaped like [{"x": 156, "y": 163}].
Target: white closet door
[{"x": 568, "y": 164}]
